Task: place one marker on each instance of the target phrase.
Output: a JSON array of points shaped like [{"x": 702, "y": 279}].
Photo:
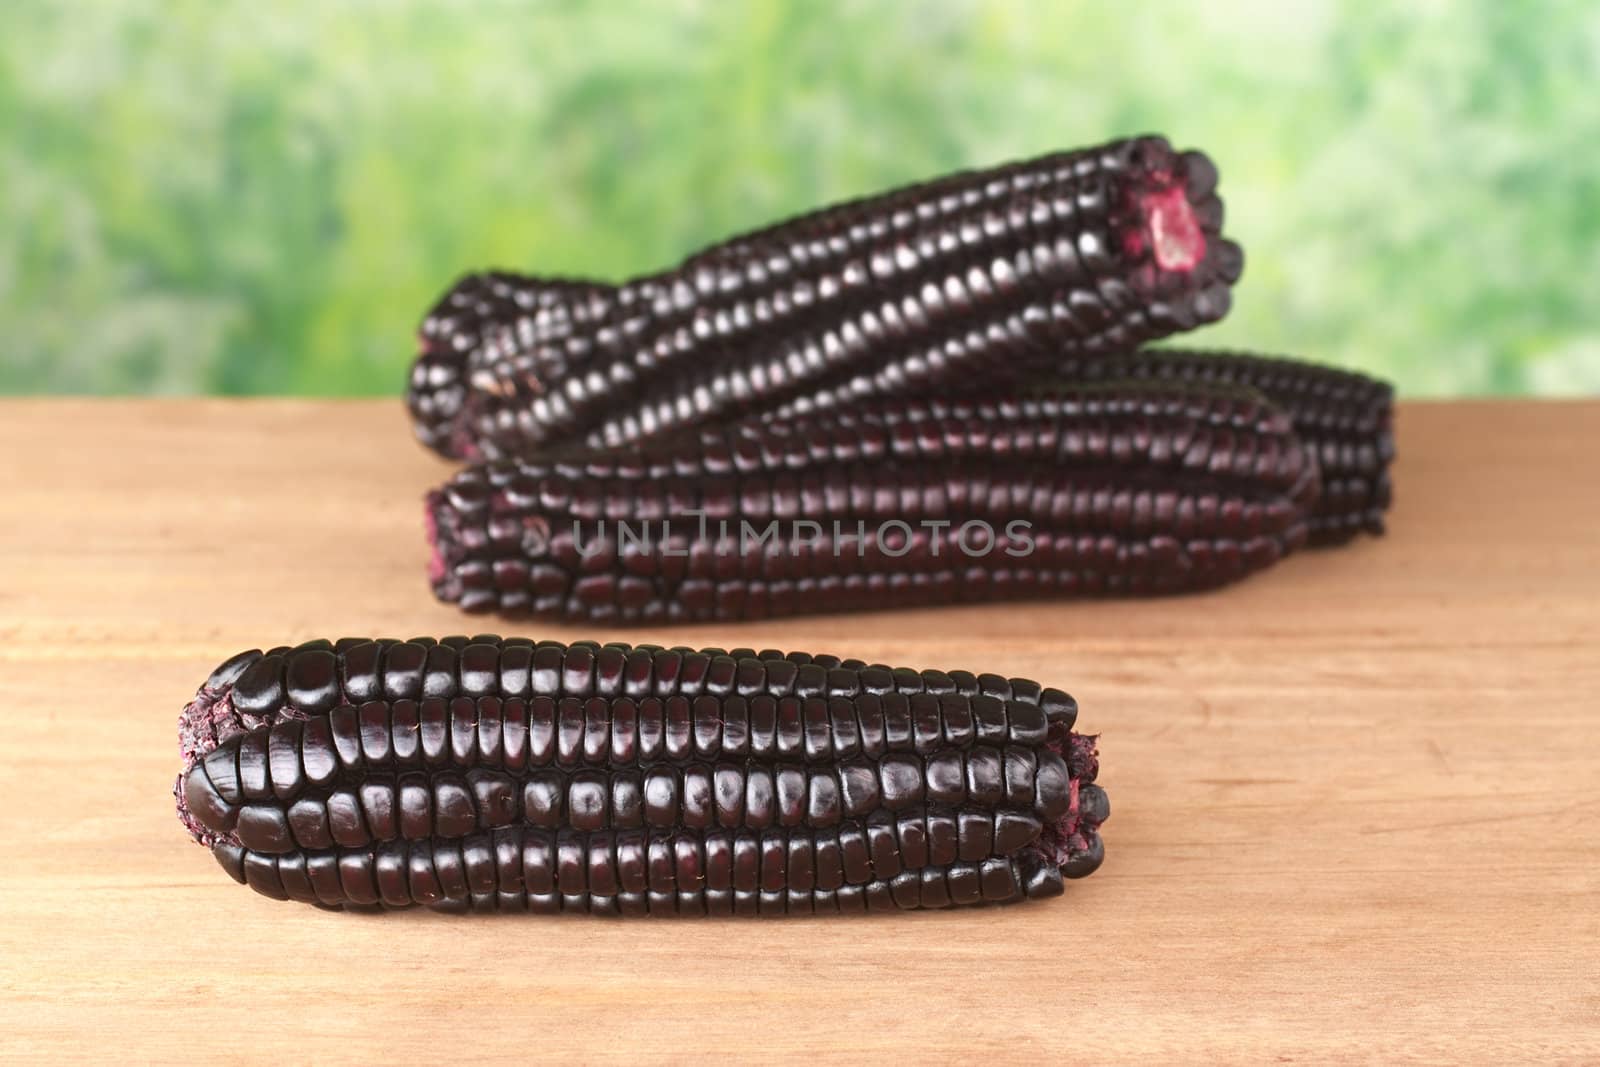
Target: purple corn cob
[
  {"x": 1141, "y": 489},
  {"x": 1345, "y": 419},
  {"x": 980, "y": 276},
  {"x": 492, "y": 775}
]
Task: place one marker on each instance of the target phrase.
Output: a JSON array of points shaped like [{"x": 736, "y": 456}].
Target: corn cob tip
[
  {"x": 1344, "y": 420},
  {"x": 1070, "y": 845},
  {"x": 444, "y": 554},
  {"x": 1173, "y": 220},
  {"x": 442, "y": 396},
  {"x": 204, "y": 722},
  {"x": 438, "y": 395},
  {"x": 207, "y": 722},
  {"x": 439, "y": 399}
]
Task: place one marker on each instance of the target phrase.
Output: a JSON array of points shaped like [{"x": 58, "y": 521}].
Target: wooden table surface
[{"x": 1356, "y": 800}]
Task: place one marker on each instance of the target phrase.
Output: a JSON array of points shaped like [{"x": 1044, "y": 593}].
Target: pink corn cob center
[{"x": 1175, "y": 235}]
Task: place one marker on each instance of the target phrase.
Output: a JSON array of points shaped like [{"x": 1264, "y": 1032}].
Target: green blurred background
[{"x": 263, "y": 198}]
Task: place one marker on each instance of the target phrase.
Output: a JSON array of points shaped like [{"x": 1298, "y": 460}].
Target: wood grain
[{"x": 1355, "y": 805}]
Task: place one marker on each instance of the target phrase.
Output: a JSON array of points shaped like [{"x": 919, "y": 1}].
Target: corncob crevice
[
  {"x": 1345, "y": 419},
  {"x": 490, "y": 774},
  {"x": 1140, "y": 489},
  {"x": 986, "y": 274}
]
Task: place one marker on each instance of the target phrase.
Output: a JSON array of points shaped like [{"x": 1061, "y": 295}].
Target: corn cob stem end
[{"x": 1170, "y": 227}]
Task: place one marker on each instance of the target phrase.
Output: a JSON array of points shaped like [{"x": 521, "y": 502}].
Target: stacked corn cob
[
  {"x": 890, "y": 371},
  {"x": 917, "y": 501},
  {"x": 975, "y": 277},
  {"x": 489, "y": 774}
]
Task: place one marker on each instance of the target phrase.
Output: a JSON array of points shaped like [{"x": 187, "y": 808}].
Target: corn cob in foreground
[
  {"x": 1069, "y": 491},
  {"x": 983, "y": 275},
  {"x": 507, "y": 775}
]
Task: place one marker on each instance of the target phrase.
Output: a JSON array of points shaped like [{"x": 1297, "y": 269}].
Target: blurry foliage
[{"x": 243, "y": 198}]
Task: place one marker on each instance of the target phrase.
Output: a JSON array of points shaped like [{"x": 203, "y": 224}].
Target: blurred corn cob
[
  {"x": 1140, "y": 489},
  {"x": 980, "y": 277},
  {"x": 492, "y": 774},
  {"x": 1345, "y": 419}
]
